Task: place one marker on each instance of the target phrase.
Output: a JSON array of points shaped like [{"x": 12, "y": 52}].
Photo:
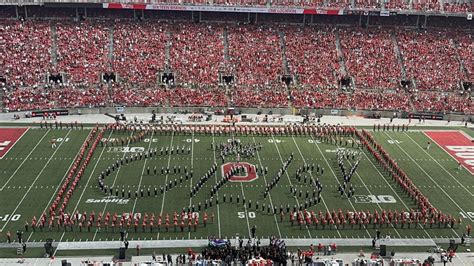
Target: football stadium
[{"x": 201, "y": 132}]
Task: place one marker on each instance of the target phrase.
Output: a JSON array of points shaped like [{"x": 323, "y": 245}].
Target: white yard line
[
  {"x": 143, "y": 171},
  {"x": 245, "y": 208},
  {"x": 36, "y": 179},
  {"x": 166, "y": 182},
  {"x": 370, "y": 193},
  {"x": 393, "y": 190},
  {"x": 217, "y": 193},
  {"x": 18, "y": 168},
  {"x": 57, "y": 188},
  {"x": 269, "y": 194},
  {"x": 314, "y": 182},
  {"x": 190, "y": 179},
  {"x": 334, "y": 174},
  {"x": 113, "y": 184},
  {"x": 243, "y": 197},
  {"x": 431, "y": 178},
  {"x": 289, "y": 180},
  {"x": 11, "y": 148},
  {"x": 85, "y": 188},
  {"x": 449, "y": 173}
]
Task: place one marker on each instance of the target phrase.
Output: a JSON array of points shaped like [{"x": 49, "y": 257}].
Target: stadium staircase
[
  {"x": 167, "y": 51},
  {"x": 461, "y": 63},
  {"x": 54, "y": 45},
  {"x": 340, "y": 55},
  {"x": 111, "y": 47},
  {"x": 286, "y": 68},
  {"x": 1, "y": 100},
  {"x": 225, "y": 36},
  {"x": 399, "y": 55}
]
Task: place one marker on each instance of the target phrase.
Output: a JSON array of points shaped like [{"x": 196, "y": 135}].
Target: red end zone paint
[
  {"x": 457, "y": 145},
  {"x": 8, "y": 138}
]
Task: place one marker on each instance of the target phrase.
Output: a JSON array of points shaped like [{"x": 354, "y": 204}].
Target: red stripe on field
[
  {"x": 457, "y": 145},
  {"x": 8, "y": 138}
]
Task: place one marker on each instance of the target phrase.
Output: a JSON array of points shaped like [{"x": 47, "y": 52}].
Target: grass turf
[{"x": 32, "y": 171}]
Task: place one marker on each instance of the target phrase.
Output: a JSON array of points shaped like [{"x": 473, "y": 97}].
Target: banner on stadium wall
[
  {"x": 382, "y": 13},
  {"x": 47, "y": 112},
  {"x": 234, "y": 9},
  {"x": 427, "y": 116}
]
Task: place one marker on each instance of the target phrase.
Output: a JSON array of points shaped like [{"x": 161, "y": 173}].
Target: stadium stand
[
  {"x": 430, "y": 58},
  {"x": 82, "y": 50},
  {"x": 437, "y": 62},
  {"x": 255, "y": 54},
  {"x": 370, "y": 58},
  {"x": 197, "y": 53},
  {"x": 26, "y": 49},
  {"x": 139, "y": 50},
  {"x": 311, "y": 54}
]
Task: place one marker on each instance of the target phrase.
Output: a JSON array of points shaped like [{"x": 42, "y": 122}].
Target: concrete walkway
[
  {"x": 217, "y": 119},
  {"x": 290, "y": 242}
]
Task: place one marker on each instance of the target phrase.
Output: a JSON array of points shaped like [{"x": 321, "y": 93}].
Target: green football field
[{"x": 32, "y": 172}]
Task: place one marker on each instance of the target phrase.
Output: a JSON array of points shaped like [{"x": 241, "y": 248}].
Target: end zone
[
  {"x": 8, "y": 139},
  {"x": 456, "y": 144}
]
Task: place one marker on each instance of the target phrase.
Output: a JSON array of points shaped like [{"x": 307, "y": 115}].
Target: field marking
[
  {"x": 34, "y": 181},
  {"x": 115, "y": 180},
  {"x": 141, "y": 176},
  {"x": 431, "y": 178},
  {"x": 26, "y": 158},
  {"x": 62, "y": 180},
  {"x": 243, "y": 197},
  {"x": 370, "y": 193},
  {"x": 314, "y": 182},
  {"x": 217, "y": 192},
  {"x": 18, "y": 140},
  {"x": 449, "y": 173},
  {"x": 289, "y": 180},
  {"x": 245, "y": 208},
  {"x": 368, "y": 190},
  {"x": 269, "y": 195},
  {"x": 335, "y": 177},
  {"x": 190, "y": 179},
  {"x": 85, "y": 187},
  {"x": 166, "y": 182},
  {"x": 393, "y": 190}
]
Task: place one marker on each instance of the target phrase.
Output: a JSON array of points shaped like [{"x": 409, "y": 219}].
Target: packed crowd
[
  {"x": 370, "y": 58},
  {"x": 358, "y": 100},
  {"x": 25, "y": 52},
  {"x": 177, "y": 96},
  {"x": 197, "y": 53},
  {"x": 259, "y": 96},
  {"x": 82, "y": 50},
  {"x": 312, "y": 54},
  {"x": 430, "y": 58},
  {"x": 139, "y": 50},
  {"x": 254, "y": 54},
  {"x": 442, "y": 102},
  {"x": 465, "y": 48},
  {"x": 57, "y": 96}
]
